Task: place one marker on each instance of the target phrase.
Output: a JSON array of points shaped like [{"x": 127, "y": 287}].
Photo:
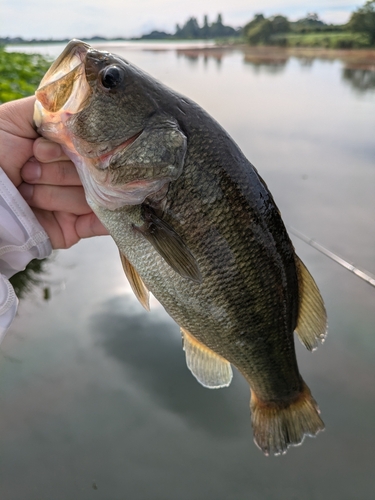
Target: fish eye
[{"x": 111, "y": 77}]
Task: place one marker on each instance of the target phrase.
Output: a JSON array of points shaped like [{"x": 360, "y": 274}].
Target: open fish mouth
[
  {"x": 64, "y": 87},
  {"x": 64, "y": 92}
]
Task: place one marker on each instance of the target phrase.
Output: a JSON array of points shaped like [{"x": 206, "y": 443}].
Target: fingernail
[
  {"x": 26, "y": 190},
  {"x": 47, "y": 151},
  {"x": 31, "y": 171}
]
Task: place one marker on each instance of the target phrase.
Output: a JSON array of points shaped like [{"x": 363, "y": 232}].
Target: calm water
[{"x": 96, "y": 401}]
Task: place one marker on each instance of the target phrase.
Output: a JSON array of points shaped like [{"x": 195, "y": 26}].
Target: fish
[{"x": 196, "y": 226}]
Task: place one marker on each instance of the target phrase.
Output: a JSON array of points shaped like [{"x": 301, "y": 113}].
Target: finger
[
  {"x": 65, "y": 230},
  {"x": 16, "y": 118},
  {"x": 55, "y": 198},
  {"x": 14, "y": 152},
  {"x": 52, "y": 227},
  {"x": 58, "y": 173},
  {"x": 89, "y": 225},
  {"x": 46, "y": 151}
]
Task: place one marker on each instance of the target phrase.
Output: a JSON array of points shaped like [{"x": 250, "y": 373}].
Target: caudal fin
[{"x": 277, "y": 426}]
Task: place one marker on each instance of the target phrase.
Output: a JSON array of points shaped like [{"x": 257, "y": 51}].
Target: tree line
[
  {"x": 275, "y": 30},
  {"x": 191, "y": 29},
  {"x": 278, "y": 30}
]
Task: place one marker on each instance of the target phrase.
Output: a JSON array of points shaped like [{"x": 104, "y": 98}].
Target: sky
[{"x": 124, "y": 18}]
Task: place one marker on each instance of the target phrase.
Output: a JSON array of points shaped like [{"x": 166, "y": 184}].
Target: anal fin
[
  {"x": 210, "y": 369},
  {"x": 312, "y": 317},
  {"x": 138, "y": 287}
]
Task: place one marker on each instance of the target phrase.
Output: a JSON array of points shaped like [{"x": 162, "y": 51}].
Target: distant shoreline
[
  {"x": 218, "y": 44},
  {"x": 353, "y": 58}
]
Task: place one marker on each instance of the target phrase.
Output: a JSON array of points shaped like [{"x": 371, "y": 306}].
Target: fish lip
[
  {"x": 69, "y": 69},
  {"x": 72, "y": 56}
]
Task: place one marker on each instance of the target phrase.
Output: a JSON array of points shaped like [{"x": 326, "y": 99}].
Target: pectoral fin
[
  {"x": 210, "y": 369},
  {"x": 169, "y": 245},
  {"x": 312, "y": 318},
  {"x": 138, "y": 287}
]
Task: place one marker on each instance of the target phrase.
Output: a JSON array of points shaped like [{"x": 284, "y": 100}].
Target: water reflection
[
  {"x": 274, "y": 61},
  {"x": 266, "y": 65},
  {"x": 124, "y": 330},
  {"x": 102, "y": 396},
  {"x": 270, "y": 61},
  {"x": 194, "y": 55},
  {"x": 362, "y": 80},
  {"x": 30, "y": 278}
]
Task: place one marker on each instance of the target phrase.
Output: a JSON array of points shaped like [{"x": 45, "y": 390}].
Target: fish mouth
[
  {"x": 64, "y": 92},
  {"x": 73, "y": 55},
  {"x": 64, "y": 87}
]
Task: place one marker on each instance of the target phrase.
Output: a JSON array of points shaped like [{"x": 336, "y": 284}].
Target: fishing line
[{"x": 364, "y": 275}]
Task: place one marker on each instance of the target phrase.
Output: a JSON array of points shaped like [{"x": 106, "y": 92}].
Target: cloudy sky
[{"x": 113, "y": 18}]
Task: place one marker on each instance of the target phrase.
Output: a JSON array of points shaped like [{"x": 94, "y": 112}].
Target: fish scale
[{"x": 196, "y": 226}]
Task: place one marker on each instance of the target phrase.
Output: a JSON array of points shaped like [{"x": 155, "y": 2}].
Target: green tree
[
  {"x": 260, "y": 33},
  {"x": 258, "y": 18},
  {"x": 190, "y": 29},
  {"x": 363, "y": 20},
  {"x": 260, "y": 30},
  {"x": 310, "y": 23},
  {"x": 280, "y": 24},
  {"x": 205, "y": 30},
  {"x": 218, "y": 29}
]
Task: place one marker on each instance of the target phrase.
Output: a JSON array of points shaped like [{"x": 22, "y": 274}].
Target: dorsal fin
[
  {"x": 312, "y": 317},
  {"x": 210, "y": 369},
  {"x": 138, "y": 287}
]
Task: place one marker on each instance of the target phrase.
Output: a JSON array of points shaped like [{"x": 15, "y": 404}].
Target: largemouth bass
[{"x": 196, "y": 226}]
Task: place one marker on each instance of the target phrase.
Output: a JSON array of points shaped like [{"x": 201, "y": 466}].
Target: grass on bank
[
  {"x": 20, "y": 74},
  {"x": 327, "y": 40}
]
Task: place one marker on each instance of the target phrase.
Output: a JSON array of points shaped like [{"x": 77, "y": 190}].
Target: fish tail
[{"x": 278, "y": 425}]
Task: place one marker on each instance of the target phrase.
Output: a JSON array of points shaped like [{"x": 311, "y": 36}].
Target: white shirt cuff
[{"x": 22, "y": 239}]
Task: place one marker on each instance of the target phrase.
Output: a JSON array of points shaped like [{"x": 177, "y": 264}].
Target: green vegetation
[
  {"x": 20, "y": 74},
  {"x": 26, "y": 280},
  {"x": 310, "y": 31},
  {"x": 261, "y": 30},
  {"x": 343, "y": 40},
  {"x": 217, "y": 29},
  {"x": 192, "y": 30},
  {"x": 363, "y": 21}
]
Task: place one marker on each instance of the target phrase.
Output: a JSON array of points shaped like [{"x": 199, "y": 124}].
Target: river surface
[{"x": 96, "y": 401}]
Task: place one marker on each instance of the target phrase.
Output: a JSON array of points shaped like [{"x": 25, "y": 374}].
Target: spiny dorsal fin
[
  {"x": 312, "y": 317},
  {"x": 138, "y": 287},
  {"x": 169, "y": 245},
  {"x": 210, "y": 369}
]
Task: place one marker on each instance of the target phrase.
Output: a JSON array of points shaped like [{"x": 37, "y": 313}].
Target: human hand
[
  {"x": 46, "y": 178},
  {"x": 17, "y": 135},
  {"x": 53, "y": 189}
]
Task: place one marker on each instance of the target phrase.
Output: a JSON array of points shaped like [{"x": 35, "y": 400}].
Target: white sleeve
[{"x": 22, "y": 239}]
